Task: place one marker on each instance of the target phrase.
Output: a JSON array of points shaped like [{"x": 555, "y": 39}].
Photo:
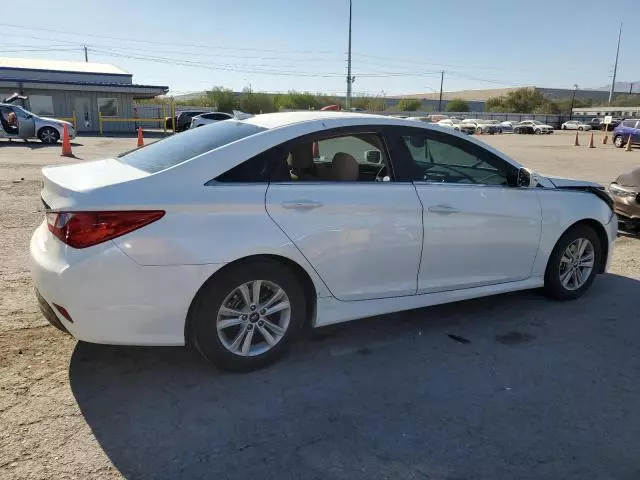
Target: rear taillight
[{"x": 84, "y": 229}]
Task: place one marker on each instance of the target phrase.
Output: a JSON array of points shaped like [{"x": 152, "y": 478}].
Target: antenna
[{"x": 615, "y": 66}]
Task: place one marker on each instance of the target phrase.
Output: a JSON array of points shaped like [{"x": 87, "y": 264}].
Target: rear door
[
  {"x": 358, "y": 226},
  {"x": 478, "y": 230}
]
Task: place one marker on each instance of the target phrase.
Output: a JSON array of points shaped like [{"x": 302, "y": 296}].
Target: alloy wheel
[
  {"x": 253, "y": 318},
  {"x": 576, "y": 264},
  {"x": 49, "y": 135}
]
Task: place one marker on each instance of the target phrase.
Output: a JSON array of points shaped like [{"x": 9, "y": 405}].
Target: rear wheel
[
  {"x": 537, "y": 131},
  {"x": 573, "y": 264},
  {"x": 49, "y": 135},
  {"x": 479, "y": 131},
  {"x": 619, "y": 141},
  {"x": 248, "y": 316},
  {"x": 580, "y": 128}
]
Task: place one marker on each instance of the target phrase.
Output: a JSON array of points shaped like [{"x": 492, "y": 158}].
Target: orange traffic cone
[
  {"x": 66, "y": 144},
  {"x": 576, "y": 143},
  {"x": 628, "y": 148},
  {"x": 140, "y": 139},
  {"x": 591, "y": 145}
]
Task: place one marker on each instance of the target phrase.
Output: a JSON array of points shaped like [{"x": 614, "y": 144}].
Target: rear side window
[{"x": 183, "y": 146}]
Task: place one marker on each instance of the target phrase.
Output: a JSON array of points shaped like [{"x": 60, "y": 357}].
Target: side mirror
[
  {"x": 524, "y": 178},
  {"x": 373, "y": 156}
]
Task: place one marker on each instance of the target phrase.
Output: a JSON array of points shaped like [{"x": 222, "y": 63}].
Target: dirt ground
[{"x": 543, "y": 390}]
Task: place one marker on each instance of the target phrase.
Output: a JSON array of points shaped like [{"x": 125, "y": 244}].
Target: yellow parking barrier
[
  {"x": 102, "y": 119},
  {"x": 71, "y": 120}
]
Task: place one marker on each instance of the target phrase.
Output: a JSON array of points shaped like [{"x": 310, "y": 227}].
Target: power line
[{"x": 155, "y": 42}]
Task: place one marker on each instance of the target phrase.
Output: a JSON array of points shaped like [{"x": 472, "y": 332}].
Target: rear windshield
[{"x": 183, "y": 146}]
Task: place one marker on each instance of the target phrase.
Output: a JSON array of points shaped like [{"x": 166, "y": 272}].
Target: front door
[
  {"x": 26, "y": 124},
  {"x": 359, "y": 228},
  {"x": 478, "y": 230},
  {"x": 82, "y": 106}
]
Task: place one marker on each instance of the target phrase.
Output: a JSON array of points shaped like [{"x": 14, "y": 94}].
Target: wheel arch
[
  {"x": 596, "y": 226},
  {"x": 296, "y": 269}
]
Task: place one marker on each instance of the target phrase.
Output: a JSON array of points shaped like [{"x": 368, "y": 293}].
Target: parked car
[
  {"x": 211, "y": 117},
  {"x": 481, "y": 126},
  {"x": 538, "y": 127},
  {"x": 506, "y": 126},
  {"x": 575, "y": 125},
  {"x": 183, "y": 119},
  {"x": 233, "y": 236},
  {"x": 458, "y": 125},
  {"x": 497, "y": 124},
  {"x": 523, "y": 128},
  {"x": 628, "y": 128},
  {"x": 598, "y": 124},
  {"x": 625, "y": 192},
  {"x": 16, "y": 122}
]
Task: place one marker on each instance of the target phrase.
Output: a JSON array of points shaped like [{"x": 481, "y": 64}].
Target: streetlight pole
[
  {"x": 573, "y": 97},
  {"x": 350, "y": 79}
]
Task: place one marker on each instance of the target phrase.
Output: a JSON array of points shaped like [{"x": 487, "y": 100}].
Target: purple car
[{"x": 627, "y": 128}]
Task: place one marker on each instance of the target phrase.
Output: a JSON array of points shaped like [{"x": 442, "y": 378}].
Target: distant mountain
[{"x": 622, "y": 87}]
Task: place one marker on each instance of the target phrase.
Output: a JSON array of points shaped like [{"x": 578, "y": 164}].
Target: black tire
[
  {"x": 203, "y": 333},
  {"x": 537, "y": 131},
  {"x": 553, "y": 287},
  {"x": 479, "y": 131},
  {"x": 580, "y": 128},
  {"x": 49, "y": 135},
  {"x": 618, "y": 141},
  {"x": 563, "y": 127}
]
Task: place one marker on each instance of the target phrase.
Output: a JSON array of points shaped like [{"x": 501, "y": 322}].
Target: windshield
[
  {"x": 184, "y": 146},
  {"x": 21, "y": 110}
]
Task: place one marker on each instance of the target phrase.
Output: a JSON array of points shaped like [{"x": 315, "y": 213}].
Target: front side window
[
  {"x": 108, "y": 107},
  {"x": 438, "y": 161}
]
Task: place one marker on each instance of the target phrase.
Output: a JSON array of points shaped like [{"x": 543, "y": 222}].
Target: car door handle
[
  {"x": 442, "y": 209},
  {"x": 301, "y": 204}
]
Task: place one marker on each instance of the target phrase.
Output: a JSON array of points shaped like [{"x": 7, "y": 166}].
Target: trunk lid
[{"x": 65, "y": 186}]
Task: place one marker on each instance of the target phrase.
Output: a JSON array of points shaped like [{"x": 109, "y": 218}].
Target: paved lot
[{"x": 542, "y": 390}]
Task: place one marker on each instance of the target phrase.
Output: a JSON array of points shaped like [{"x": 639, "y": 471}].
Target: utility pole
[
  {"x": 440, "y": 101},
  {"x": 630, "y": 88},
  {"x": 86, "y": 55},
  {"x": 347, "y": 102},
  {"x": 573, "y": 97},
  {"x": 615, "y": 66}
]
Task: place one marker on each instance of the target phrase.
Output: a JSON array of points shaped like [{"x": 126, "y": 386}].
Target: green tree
[
  {"x": 256, "y": 102},
  {"x": 409, "y": 105},
  {"x": 522, "y": 100},
  {"x": 361, "y": 102},
  {"x": 627, "y": 101},
  {"x": 222, "y": 98},
  {"x": 298, "y": 101},
  {"x": 457, "y": 105}
]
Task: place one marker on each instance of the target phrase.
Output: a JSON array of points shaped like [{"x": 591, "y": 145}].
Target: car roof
[{"x": 281, "y": 119}]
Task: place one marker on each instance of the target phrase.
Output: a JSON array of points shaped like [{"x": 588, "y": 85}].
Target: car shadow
[
  {"x": 430, "y": 393},
  {"x": 34, "y": 145}
]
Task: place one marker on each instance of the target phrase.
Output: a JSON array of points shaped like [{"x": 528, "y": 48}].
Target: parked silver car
[{"x": 16, "y": 122}]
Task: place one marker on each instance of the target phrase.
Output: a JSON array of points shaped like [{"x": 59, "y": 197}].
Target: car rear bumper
[{"x": 110, "y": 298}]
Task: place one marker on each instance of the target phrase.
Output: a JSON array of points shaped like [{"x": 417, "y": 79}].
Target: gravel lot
[{"x": 542, "y": 390}]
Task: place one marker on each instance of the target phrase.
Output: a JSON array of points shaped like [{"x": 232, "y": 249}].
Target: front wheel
[
  {"x": 479, "y": 131},
  {"x": 49, "y": 135},
  {"x": 619, "y": 141},
  {"x": 537, "y": 132},
  {"x": 247, "y": 317},
  {"x": 573, "y": 264},
  {"x": 580, "y": 128}
]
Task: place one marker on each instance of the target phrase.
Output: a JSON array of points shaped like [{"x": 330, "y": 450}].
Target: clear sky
[{"x": 399, "y": 46}]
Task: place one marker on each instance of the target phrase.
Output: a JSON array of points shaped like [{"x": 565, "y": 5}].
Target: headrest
[{"x": 344, "y": 168}]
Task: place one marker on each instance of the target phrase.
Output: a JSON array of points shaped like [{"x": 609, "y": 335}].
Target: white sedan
[
  {"x": 575, "y": 125},
  {"x": 233, "y": 236},
  {"x": 207, "y": 118}
]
